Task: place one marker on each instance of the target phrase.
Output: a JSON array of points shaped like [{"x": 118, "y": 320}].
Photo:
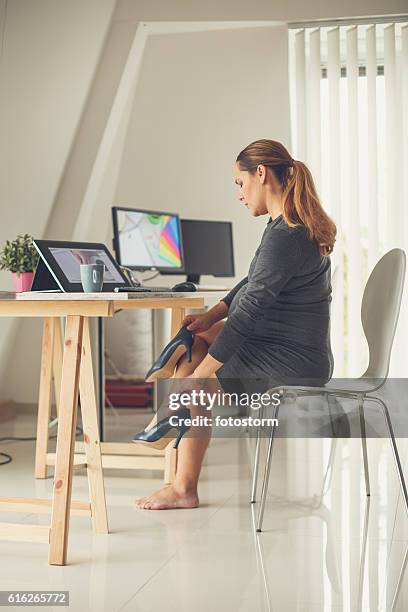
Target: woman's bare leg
[
  {"x": 182, "y": 493},
  {"x": 184, "y": 368},
  {"x": 202, "y": 342}
]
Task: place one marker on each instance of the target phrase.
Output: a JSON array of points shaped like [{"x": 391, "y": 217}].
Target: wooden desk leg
[
  {"x": 61, "y": 499},
  {"x": 44, "y": 399},
  {"x": 57, "y": 361},
  {"x": 170, "y": 457},
  {"x": 91, "y": 436},
  {"x": 177, "y": 316}
]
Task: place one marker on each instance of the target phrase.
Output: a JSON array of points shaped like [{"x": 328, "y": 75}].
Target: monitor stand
[
  {"x": 193, "y": 278},
  {"x": 43, "y": 279}
]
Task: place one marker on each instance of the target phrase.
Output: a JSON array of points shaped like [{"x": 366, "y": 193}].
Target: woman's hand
[
  {"x": 201, "y": 322},
  {"x": 198, "y": 323}
]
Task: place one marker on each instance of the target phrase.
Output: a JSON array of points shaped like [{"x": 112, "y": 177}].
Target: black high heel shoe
[
  {"x": 165, "y": 365},
  {"x": 163, "y": 432}
]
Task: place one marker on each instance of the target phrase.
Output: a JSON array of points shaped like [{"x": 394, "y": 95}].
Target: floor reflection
[{"x": 331, "y": 557}]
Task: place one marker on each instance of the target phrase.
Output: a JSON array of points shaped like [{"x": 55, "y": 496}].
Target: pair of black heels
[{"x": 174, "y": 426}]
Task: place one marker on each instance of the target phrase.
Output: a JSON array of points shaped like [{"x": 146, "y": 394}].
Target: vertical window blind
[{"x": 349, "y": 113}]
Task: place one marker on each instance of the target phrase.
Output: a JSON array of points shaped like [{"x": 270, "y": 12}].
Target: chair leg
[
  {"x": 394, "y": 447},
  {"x": 329, "y": 469},
  {"x": 399, "y": 582},
  {"x": 364, "y": 443},
  {"x": 267, "y": 474},
  {"x": 363, "y": 555},
  {"x": 256, "y": 465}
]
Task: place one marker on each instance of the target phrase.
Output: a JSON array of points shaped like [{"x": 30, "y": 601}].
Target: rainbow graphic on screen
[{"x": 169, "y": 247}]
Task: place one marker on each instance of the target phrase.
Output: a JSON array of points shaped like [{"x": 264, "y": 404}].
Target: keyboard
[{"x": 142, "y": 289}]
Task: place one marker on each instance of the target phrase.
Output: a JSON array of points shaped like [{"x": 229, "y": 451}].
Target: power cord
[
  {"x": 134, "y": 280},
  {"x": 9, "y": 458},
  {"x": 151, "y": 277}
]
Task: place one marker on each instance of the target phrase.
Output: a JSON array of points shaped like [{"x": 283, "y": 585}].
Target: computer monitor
[
  {"x": 208, "y": 248},
  {"x": 147, "y": 240}
]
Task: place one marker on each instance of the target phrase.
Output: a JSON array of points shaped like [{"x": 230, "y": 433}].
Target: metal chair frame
[{"x": 380, "y": 337}]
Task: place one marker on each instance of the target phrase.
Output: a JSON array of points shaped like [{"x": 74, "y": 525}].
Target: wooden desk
[
  {"x": 117, "y": 455},
  {"x": 75, "y": 377}
]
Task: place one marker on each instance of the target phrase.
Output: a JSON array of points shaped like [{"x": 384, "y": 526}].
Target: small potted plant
[{"x": 20, "y": 257}]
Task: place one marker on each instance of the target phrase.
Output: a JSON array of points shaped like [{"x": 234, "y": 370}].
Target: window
[{"x": 349, "y": 105}]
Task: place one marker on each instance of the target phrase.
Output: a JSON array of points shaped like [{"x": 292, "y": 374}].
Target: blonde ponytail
[{"x": 301, "y": 206}]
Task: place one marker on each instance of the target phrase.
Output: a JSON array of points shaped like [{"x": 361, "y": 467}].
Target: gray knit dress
[{"x": 278, "y": 325}]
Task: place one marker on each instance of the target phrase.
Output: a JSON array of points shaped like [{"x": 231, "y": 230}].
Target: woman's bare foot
[{"x": 168, "y": 498}]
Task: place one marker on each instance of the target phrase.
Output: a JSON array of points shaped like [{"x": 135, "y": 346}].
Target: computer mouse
[{"x": 186, "y": 286}]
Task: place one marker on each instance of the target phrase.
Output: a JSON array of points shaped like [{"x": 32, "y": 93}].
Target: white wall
[
  {"x": 201, "y": 98},
  {"x": 49, "y": 53}
]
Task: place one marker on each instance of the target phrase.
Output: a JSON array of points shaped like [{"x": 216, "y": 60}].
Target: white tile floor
[{"x": 307, "y": 559}]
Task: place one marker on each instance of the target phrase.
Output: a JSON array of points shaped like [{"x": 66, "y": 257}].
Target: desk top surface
[
  {"x": 106, "y": 297},
  {"x": 98, "y": 304}
]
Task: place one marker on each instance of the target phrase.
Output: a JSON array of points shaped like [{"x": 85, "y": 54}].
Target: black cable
[
  {"x": 151, "y": 277},
  {"x": 78, "y": 432},
  {"x": 9, "y": 458},
  {"x": 135, "y": 281}
]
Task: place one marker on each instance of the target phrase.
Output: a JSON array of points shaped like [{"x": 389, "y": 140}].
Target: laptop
[{"x": 58, "y": 267}]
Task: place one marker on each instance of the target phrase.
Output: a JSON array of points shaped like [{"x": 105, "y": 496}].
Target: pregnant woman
[{"x": 277, "y": 326}]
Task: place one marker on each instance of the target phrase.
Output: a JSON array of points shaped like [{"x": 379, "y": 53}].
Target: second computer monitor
[
  {"x": 145, "y": 240},
  {"x": 208, "y": 248}
]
